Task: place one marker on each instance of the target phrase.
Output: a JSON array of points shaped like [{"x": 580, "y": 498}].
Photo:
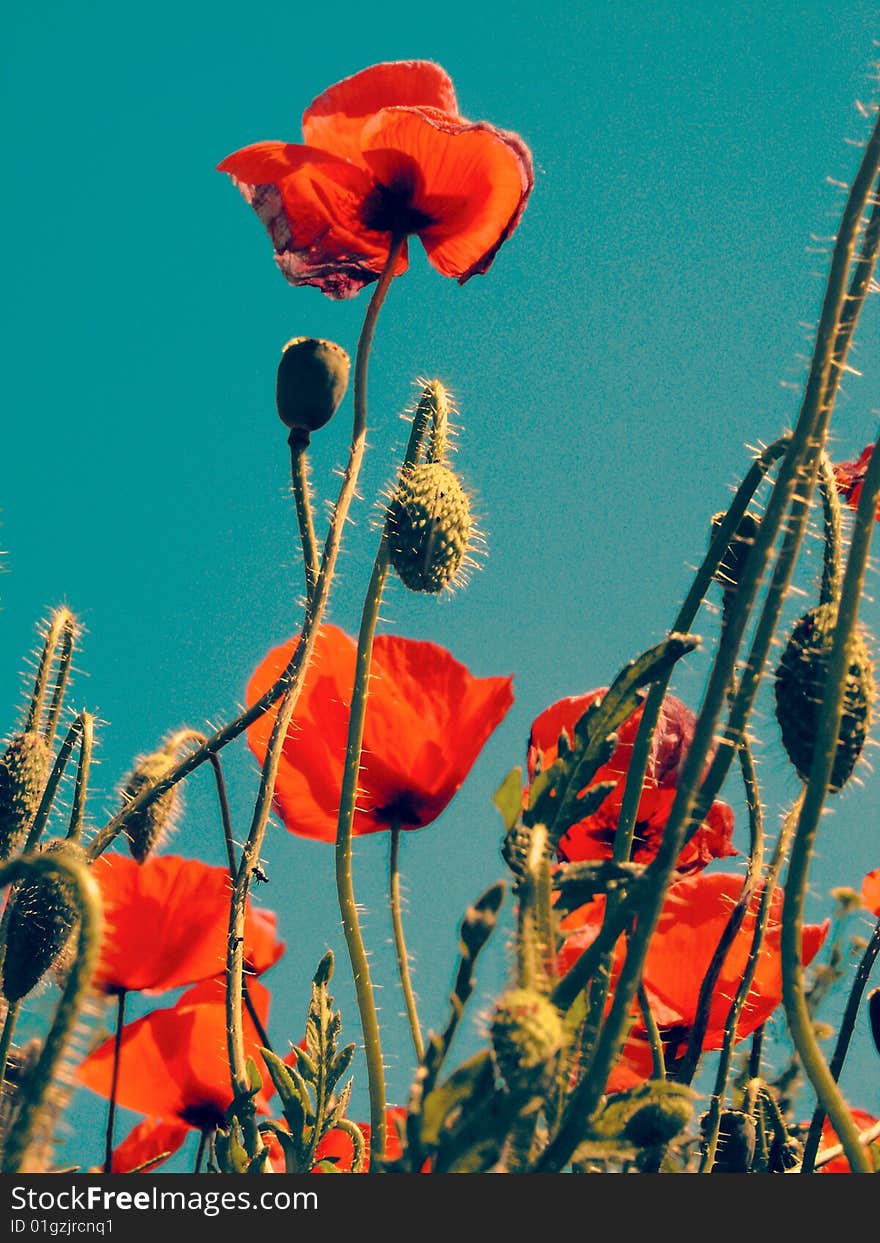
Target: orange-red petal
[
  {"x": 830, "y": 1139},
  {"x": 173, "y": 1063},
  {"x": 469, "y": 180},
  {"x": 165, "y": 924},
  {"x": 145, "y": 1144},
  {"x": 871, "y": 892},
  {"x": 427, "y": 720},
  {"x": 336, "y": 118},
  {"x": 311, "y": 203}
]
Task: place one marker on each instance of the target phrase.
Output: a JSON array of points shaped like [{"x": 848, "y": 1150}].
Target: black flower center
[{"x": 389, "y": 209}]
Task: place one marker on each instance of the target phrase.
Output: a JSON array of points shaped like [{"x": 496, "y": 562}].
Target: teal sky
[{"x": 647, "y": 322}]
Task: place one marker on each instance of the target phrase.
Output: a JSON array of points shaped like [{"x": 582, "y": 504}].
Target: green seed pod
[
  {"x": 24, "y": 770},
  {"x": 732, "y": 564},
  {"x": 526, "y": 1032},
  {"x": 800, "y": 683},
  {"x": 659, "y": 1121},
  {"x": 149, "y": 826},
  {"x": 41, "y": 924},
  {"x": 311, "y": 383},
  {"x": 429, "y": 527}
]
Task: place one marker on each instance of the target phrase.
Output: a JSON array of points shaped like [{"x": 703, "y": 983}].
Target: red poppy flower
[
  {"x": 385, "y": 153},
  {"x": 427, "y": 720},
  {"x": 165, "y": 924},
  {"x": 850, "y": 477},
  {"x": 173, "y": 1063},
  {"x": 593, "y": 838},
  {"x": 871, "y": 892},
  {"x": 830, "y": 1138},
  {"x": 694, "y": 915}
]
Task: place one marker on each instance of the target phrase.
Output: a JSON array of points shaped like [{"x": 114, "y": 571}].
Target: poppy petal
[
  {"x": 165, "y": 924},
  {"x": 146, "y": 1143},
  {"x": 311, "y": 204},
  {"x": 871, "y": 892},
  {"x": 336, "y": 118},
  {"x": 173, "y": 1063},
  {"x": 427, "y": 719},
  {"x": 470, "y": 181}
]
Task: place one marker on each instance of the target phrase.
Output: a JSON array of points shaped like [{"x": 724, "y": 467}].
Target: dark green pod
[
  {"x": 24, "y": 770},
  {"x": 41, "y": 923},
  {"x": 429, "y": 527}
]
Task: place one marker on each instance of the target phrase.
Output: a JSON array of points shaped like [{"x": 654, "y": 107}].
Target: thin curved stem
[
  {"x": 292, "y": 681},
  {"x": 824, "y": 752},
  {"x": 403, "y": 968},
  {"x": 114, "y": 1082},
  {"x": 832, "y": 552},
  {"x": 9, "y": 1021},
  {"x": 63, "y": 623},
  {"x": 83, "y": 769},
  {"x": 299, "y": 474},
  {"x": 62, "y": 676},
  {"x": 658, "y": 1061}
]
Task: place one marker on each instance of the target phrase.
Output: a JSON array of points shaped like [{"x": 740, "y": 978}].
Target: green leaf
[
  {"x": 471, "y": 1080},
  {"x": 296, "y": 1104},
  {"x": 578, "y": 883},
  {"x": 508, "y": 797}
]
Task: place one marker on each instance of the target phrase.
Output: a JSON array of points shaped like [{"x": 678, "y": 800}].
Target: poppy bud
[
  {"x": 659, "y": 1121},
  {"x": 41, "y": 923},
  {"x": 526, "y": 1031},
  {"x": 150, "y": 825},
  {"x": 24, "y": 769},
  {"x": 800, "y": 685},
  {"x": 429, "y": 527},
  {"x": 737, "y": 1139},
  {"x": 733, "y": 563},
  {"x": 311, "y": 383}
]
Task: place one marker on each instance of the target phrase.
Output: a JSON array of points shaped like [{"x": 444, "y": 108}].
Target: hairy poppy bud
[
  {"x": 41, "y": 922},
  {"x": 150, "y": 825},
  {"x": 311, "y": 383},
  {"x": 429, "y": 527},
  {"x": 659, "y": 1120},
  {"x": 24, "y": 769},
  {"x": 800, "y": 682},
  {"x": 733, "y": 563},
  {"x": 526, "y": 1031},
  {"x": 737, "y": 1138}
]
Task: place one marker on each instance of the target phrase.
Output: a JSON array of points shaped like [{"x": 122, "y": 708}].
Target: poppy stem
[
  {"x": 844, "y": 1036},
  {"x": 114, "y": 1081},
  {"x": 290, "y": 684},
  {"x": 225, "y": 816},
  {"x": 713, "y": 1119},
  {"x": 409, "y": 997},
  {"x": 204, "y": 1137},
  {"x": 832, "y": 554},
  {"x": 658, "y": 1061},
  {"x": 9, "y": 1022},
  {"x": 824, "y": 752},
  {"x": 83, "y": 769},
  {"x": 299, "y": 474}
]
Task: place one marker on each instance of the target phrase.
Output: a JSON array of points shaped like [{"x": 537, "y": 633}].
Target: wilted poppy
[
  {"x": 166, "y": 922},
  {"x": 840, "y": 1165},
  {"x": 386, "y": 154},
  {"x": 850, "y": 477},
  {"x": 593, "y": 838},
  {"x": 427, "y": 719},
  {"x": 173, "y": 1063},
  {"x": 694, "y": 915}
]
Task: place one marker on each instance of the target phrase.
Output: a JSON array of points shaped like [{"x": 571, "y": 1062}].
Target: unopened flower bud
[
  {"x": 800, "y": 688},
  {"x": 148, "y": 826},
  {"x": 311, "y": 383},
  {"x": 737, "y": 1139},
  {"x": 526, "y": 1031},
  {"x": 41, "y": 923},
  {"x": 24, "y": 769},
  {"x": 429, "y": 527},
  {"x": 659, "y": 1120}
]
